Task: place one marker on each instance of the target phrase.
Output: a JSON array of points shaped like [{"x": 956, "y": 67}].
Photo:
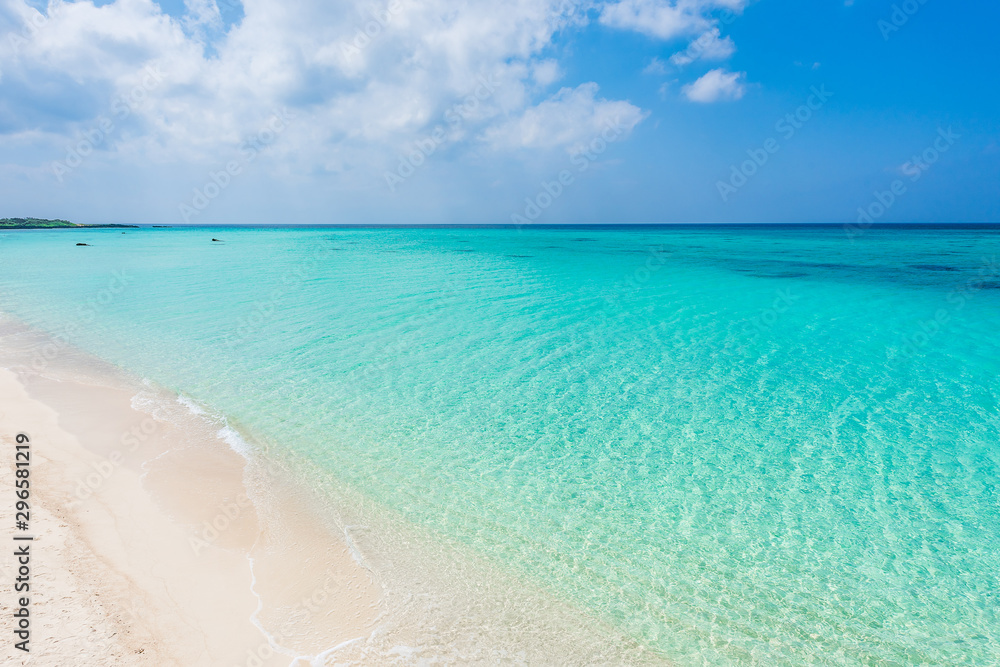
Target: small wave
[
  {"x": 353, "y": 548},
  {"x": 235, "y": 441},
  {"x": 226, "y": 433},
  {"x": 323, "y": 658},
  {"x": 142, "y": 402},
  {"x": 148, "y": 403},
  {"x": 193, "y": 407},
  {"x": 255, "y": 616}
]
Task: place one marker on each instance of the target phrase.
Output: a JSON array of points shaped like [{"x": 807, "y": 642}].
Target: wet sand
[{"x": 148, "y": 549}]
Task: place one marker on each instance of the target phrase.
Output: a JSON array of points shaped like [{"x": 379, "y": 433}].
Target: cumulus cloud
[
  {"x": 710, "y": 45},
  {"x": 363, "y": 78},
  {"x": 717, "y": 85},
  {"x": 547, "y": 72},
  {"x": 202, "y": 15},
  {"x": 665, "y": 19},
  {"x": 569, "y": 119}
]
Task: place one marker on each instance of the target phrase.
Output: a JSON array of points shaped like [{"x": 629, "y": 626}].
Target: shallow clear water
[{"x": 738, "y": 444}]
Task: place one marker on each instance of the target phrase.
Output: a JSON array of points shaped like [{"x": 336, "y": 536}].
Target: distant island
[{"x": 39, "y": 223}]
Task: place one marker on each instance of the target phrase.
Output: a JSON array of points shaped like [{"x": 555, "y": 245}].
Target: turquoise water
[{"x": 745, "y": 445}]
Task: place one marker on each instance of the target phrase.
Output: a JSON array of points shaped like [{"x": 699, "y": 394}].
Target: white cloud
[
  {"x": 363, "y": 78},
  {"x": 202, "y": 15},
  {"x": 570, "y": 119},
  {"x": 665, "y": 19},
  {"x": 709, "y": 46},
  {"x": 655, "y": 66},
  {"x": 546, "y": 72},
  {"x": 88, "y": 43},
  {"x": 717, "y": 85}
]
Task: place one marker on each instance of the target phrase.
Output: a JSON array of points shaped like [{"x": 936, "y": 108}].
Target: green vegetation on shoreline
[
  {"x": 34, "y": 223},
  {"x": 39, "y": 223}
]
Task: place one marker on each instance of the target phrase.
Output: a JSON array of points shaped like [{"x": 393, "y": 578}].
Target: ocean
[{"x": 773, "y": 445}]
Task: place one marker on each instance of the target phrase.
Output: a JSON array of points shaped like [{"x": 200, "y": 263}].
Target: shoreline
[
  {"x": 150, "y": 550},
  {"x": 169, "y": 540}
]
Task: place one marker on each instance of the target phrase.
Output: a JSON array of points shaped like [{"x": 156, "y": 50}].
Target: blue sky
[{"x": 522, "y": 111}]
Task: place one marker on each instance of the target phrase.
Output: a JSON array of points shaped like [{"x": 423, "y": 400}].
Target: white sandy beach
[
  {"x": 125, "y": 569},
  {"x": 156, "y": 543}
]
